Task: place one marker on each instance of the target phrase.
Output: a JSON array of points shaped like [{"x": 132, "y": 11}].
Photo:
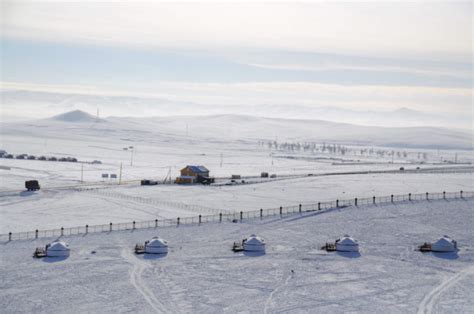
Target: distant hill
[{"x": 76, "y": 116}]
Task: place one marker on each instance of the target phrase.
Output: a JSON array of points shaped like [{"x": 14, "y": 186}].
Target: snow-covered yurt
[
  {"x": 57, "y": 249},
  {"x": 347, "y": 244},
  {"x": 444, "y": 244},
  {"x": 254, "y": 244},
  {"x": 156, "y": 246}
]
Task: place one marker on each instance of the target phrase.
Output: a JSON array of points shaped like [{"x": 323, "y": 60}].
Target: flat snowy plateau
[{"x": 201, "y": 274}]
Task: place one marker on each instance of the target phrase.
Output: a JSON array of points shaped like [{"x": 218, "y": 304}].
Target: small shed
[{"x": 185, "y": 180}]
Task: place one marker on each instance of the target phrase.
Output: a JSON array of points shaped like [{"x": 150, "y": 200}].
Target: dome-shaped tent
[
  {"x": 444, "y": 244},
  {"x": 347, "y": 244},
  {"x": 57, "y": 248},
  {"x": 156, "y": 246},
  {"x": 254, "y": 243}
]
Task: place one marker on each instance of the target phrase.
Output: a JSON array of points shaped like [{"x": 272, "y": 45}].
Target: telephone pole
[
  {"x": 82, "y": 173},
  {"x": 120, "y": 174}
]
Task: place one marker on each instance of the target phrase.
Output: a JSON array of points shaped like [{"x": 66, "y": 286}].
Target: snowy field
[
  {"x": 163, "y": 146},
  {"x": 201, "y": 274}
]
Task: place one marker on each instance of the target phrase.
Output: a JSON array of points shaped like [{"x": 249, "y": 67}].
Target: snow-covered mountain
[
  {"x": 49, "y": 103},
  {"x": 238, "y": 127}
]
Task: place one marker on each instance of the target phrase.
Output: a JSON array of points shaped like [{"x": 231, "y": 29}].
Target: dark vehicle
[
  {"x": 62, "y": 159},
  {"x": 205, "y": 180},
  {"x": 8, "y": 156},
  {"x": 402, "y": 168},
  {"x": 52, "y": 159},
  {"x": 72, "y": 159},
  {"x": 31, "y": 157},
  {"x": 22, "y": 156},
  {"x": 32, "y": 185},
  {"x": 2, "y": 152},
  {"x": 264, "y": 175},
  {"x": 148, "y": 182},
  {"x": 42, "y": 158}
]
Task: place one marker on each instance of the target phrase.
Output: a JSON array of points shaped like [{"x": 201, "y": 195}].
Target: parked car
[
  {"x": 52, "y": 159},
  {"x": 62, "y": 159},
  {"x": 8, "y": 156},
  {"x": 71, "y": 159},
  {"x": 97, "y": 162},
  {"x": 21, "y": 156},
  {"x": 42, "y": 158},
  {"x": 32, "y": 185},
  {"x": 31, "y": 157},
  {"x": 148, "y": 182}
]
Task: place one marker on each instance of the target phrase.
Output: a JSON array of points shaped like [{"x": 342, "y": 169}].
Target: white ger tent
[
  {"x": 156, "y": 246},
  {"x": 57, "y": 249},
  {"x": 347, "y": 244},
  {"x": 254, "y": 244},
  {"x": 444, "y": 244}
]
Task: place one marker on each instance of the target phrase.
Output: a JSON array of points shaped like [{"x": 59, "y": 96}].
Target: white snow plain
[{"x": 201, "y": 274}]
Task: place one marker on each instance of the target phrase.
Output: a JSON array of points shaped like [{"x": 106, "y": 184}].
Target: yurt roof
[
  {"x": 157, "y": 242},
  {"x": 58, "y": 246},
  {"x": 254, "y": 240},
  {"x": 347, "y": 240}
]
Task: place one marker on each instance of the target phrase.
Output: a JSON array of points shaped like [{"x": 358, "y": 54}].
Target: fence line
[{"x": 234, "y": 216}]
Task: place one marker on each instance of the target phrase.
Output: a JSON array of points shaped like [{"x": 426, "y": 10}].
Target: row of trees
[{"x": 338, "y": 149}]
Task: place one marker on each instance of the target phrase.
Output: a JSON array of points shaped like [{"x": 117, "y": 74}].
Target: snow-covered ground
[
  {"x": 163, "y": 146},
  {"x": 201, "y": 274}
]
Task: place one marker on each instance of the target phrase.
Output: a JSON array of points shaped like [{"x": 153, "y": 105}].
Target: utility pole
[{"x": 120, "y": 174}]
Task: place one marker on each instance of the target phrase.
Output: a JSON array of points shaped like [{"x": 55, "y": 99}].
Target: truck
[{"x": 32, "y": 185}]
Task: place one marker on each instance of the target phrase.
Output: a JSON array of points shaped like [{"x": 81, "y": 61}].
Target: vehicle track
[
  {"x": 137, "y": 281},
  {"x": 270, "y": 297},
  {"x": 430, "y": 300}
]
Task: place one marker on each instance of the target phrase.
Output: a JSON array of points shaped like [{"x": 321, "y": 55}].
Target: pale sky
[{"x": 368, "y": 55}]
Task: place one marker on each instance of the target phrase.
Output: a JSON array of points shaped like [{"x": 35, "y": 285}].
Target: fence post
[
  {"x": 62, "y": 231},
  {"x": 241, "y": 215},
  {"x": 261, "y": 212},
  {"x": 355, "y": 201},
  {"x": 444, "y": 195},
  {"x": 337, "y": 203},
  {"x": 281, "y": 210},
  {"x": 110, "y": 227},
  {"x": 133, "y": 225},
  {"x": 409, "y": 196},
  {"x": 36, "y": 234},
  {"x": 299, "y": 208},
  {"x": 426, "y": 195},
  {"x": 461, "y": 193},
  {"x": 87, "y": 228},
  {"x": 156, "y": 223},
  {"x": 199, "y": 219},
  {"x": 373, "y": 200},
  {"x": 220, "y": 217},
  {"x": 177, "y": 221},
  {"x": 319, "y": 205},
  {"x": 9, "y": 236}
]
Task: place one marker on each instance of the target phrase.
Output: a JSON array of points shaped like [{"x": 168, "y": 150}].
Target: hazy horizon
[{"x": 334, "y": 61}]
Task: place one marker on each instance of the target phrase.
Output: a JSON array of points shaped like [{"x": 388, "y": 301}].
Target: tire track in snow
[
  {"x": 429, "y": 301},
  {"x": 270, "y": 297},
  {"x": 137, "y": 281}
]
